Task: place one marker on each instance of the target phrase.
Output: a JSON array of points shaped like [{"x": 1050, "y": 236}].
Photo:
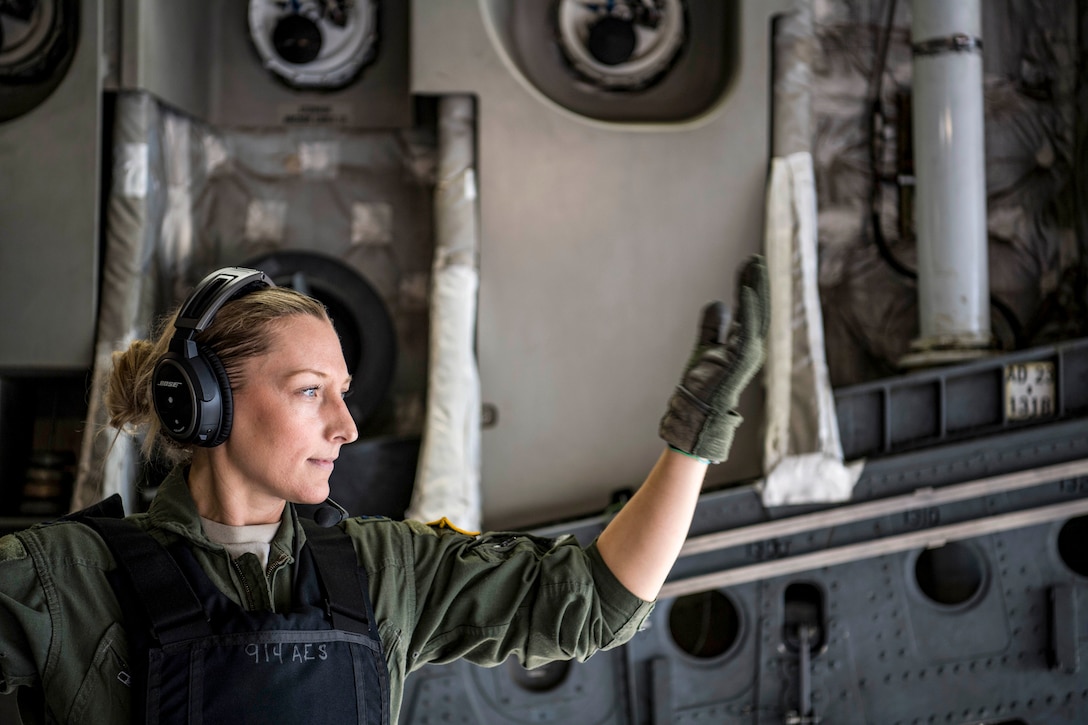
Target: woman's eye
[
  {"x": 345, "y": 394},
  {"x": 310, "y": 392}
]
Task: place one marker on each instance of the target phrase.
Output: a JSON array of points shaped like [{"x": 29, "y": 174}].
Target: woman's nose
[{"x": 343, "y": 425}]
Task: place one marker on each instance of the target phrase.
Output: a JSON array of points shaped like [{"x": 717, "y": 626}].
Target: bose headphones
[{"x": 189, "y": 385}]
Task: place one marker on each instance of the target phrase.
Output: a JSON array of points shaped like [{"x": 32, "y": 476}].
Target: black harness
[{"x": 198, "y": 657}]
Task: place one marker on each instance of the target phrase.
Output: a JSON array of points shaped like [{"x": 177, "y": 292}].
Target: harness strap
[
  {"x": 171, "y": 606},
  {"x": 341, "y": 576},
  {"x": 111, "y": 507}
]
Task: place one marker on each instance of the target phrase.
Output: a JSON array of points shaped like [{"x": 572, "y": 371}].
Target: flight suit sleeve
[
  {"x": 25, "y": 624},
  {"x": 483, "y": 598}
]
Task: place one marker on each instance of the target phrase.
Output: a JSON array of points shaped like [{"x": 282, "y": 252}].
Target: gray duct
[
  {"x": 802, "y": 456},
  {"x": 107, "y": 461},
  {"x": 950, "y": 171},
  {"x": 448, "y": 477}
]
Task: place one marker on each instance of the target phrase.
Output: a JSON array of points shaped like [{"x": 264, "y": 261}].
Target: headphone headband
[
  {"x": 190, "y": 388},
  {"x": 214, "y": 291}
]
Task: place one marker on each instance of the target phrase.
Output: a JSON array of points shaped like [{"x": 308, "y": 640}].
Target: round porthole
[
  {"x": 37, "y": 44},
  {"x": 704, "y": 625},
  {"x": 358, "y": 313},
  {"x": 1073, "y": 545},
  {"x": 950, "y": 575}
]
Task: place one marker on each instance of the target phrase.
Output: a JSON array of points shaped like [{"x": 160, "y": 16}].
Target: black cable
[{"x": 876, "y": 115}]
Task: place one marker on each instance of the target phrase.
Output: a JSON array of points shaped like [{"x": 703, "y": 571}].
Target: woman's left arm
[{"x": 641, "y": 544}]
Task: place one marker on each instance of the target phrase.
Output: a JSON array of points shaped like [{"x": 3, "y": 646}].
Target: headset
[{"x": 190, "y": 388}]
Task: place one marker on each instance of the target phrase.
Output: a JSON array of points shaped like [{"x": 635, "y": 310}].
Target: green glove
[{"x": 701, "y": 419}]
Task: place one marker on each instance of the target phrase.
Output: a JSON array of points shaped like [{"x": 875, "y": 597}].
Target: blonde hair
[{"x": 242, "y": 329}]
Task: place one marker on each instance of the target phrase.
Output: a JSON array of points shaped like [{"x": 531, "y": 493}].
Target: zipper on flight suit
[
  {"x": 245, "y": 582},
  {"x": 270, "y": 568},
  {"x": 273, "y": 565}
]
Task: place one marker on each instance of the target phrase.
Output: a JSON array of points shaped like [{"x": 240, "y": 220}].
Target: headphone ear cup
[
  {"x": 226, "y": 398},
  {"x": 176, "y": 389}
]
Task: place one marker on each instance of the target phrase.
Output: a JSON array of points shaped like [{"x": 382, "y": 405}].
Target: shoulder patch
[
  {"x": 444, "y": 523},
  {"x": 11, "y": 548}
]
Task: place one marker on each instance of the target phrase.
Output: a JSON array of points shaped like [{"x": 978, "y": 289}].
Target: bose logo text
[{"x": 169, "y": 384}]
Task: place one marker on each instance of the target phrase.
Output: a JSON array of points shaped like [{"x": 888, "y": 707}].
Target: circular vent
[
  {"x": 623, "y": 45},
  {"x": 312, "y": 43},
  {"x": 37, "y": 44}
]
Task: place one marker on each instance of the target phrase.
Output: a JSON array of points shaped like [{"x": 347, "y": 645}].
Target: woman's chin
[{"x": 313, "y": 494}]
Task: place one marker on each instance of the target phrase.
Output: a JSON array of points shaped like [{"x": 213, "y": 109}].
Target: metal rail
[
  {"x": 921, "y": 498},
  {"x": 930, "y": 537}
]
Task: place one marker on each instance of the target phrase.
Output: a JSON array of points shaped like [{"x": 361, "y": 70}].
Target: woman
[{"x": 221, "y": 602}]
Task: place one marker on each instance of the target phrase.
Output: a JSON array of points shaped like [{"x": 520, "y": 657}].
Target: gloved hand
[{"x": 701, "y": 419}]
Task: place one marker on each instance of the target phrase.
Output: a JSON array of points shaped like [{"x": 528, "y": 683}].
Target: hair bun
[{"x": 128, "y": 398}]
